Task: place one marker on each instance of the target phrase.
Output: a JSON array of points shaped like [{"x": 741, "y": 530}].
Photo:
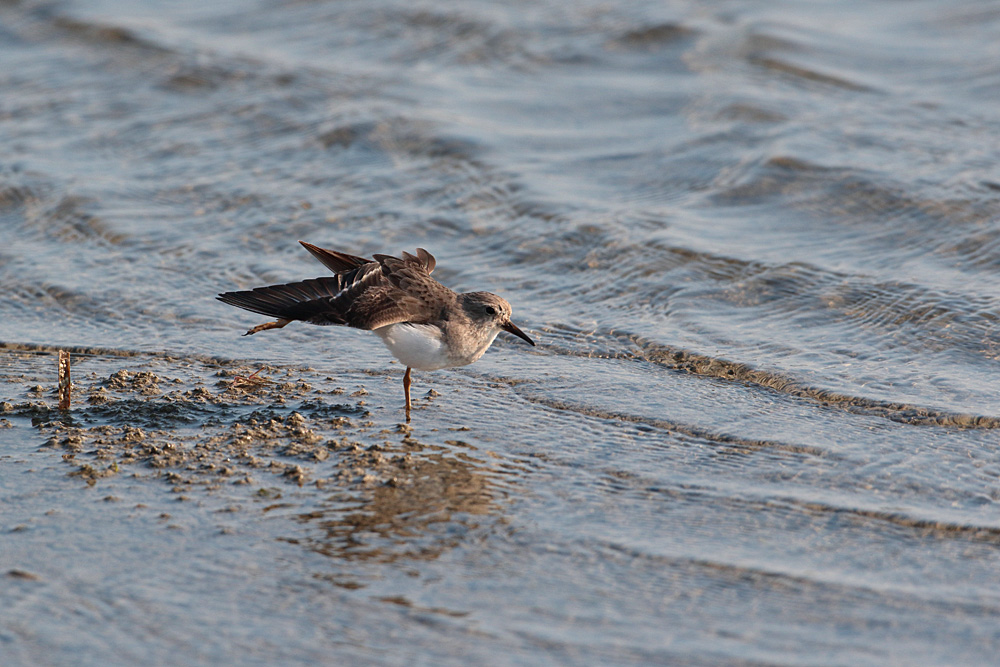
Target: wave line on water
[{"x": 695, "y": 363}]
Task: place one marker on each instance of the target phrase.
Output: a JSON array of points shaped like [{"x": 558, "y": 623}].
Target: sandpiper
[{"x": 423, "y": 323}]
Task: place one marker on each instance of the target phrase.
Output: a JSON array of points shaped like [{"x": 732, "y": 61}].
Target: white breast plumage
[{"x": 419, "y": 346}]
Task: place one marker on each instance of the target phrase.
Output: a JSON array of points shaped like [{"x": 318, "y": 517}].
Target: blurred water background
[{"x": 758, "y": 244}]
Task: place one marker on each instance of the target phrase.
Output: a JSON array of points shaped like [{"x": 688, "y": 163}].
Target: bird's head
[{"x": 490, "y": 310}]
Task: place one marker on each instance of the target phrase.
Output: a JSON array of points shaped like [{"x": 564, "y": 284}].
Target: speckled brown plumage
[{"x": 394, "y": 290}]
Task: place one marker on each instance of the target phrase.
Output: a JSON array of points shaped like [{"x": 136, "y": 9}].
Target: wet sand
[{"x": 216, "y": 426}]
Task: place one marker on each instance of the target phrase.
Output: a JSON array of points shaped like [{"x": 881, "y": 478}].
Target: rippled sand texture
[{"x": 757, "y": 243}]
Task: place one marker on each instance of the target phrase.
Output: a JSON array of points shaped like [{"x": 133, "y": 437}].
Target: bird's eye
[{"x": 491, "y": 311}]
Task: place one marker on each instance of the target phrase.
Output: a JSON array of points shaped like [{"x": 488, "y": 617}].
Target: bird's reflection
[{"x": 424, "y": 500}]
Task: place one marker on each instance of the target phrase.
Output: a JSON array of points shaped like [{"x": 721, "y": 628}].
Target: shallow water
[{"x": 757, "y": 243}]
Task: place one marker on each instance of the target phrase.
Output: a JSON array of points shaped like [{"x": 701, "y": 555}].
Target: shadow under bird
[{"x": 423, "y": 323}]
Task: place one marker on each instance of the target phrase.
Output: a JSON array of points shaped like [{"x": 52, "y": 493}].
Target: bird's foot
[{"x": 277, "y": 324}]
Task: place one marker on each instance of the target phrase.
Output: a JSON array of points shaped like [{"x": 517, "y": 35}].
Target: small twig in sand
[{"x": 65, "y": 386}]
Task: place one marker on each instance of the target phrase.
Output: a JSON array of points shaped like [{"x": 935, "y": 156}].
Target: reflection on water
[{"x": 431, "y": 503}]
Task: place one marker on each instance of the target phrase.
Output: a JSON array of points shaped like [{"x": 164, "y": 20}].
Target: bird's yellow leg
[{"x": 406, "y": 391}]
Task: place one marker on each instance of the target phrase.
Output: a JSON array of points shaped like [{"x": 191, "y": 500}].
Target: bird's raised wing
[{"x": 373, "y": 294}]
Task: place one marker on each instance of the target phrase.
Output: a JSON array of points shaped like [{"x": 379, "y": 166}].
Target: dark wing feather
[
  {"x": 368, "y": 296},
  {"x": 423, "y": 258},
  {"x": 308, "y": 300},
  {"x": 338, "y": 262}
]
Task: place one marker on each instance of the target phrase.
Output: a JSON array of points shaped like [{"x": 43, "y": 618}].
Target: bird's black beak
[{"x": 510, "y": 328}]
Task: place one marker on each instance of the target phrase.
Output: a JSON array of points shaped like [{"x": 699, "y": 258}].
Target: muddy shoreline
[{"x": 202, "y": 426}]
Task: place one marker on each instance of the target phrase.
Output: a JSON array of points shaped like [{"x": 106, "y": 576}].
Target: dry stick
[{"x": 64, "y": 383}]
